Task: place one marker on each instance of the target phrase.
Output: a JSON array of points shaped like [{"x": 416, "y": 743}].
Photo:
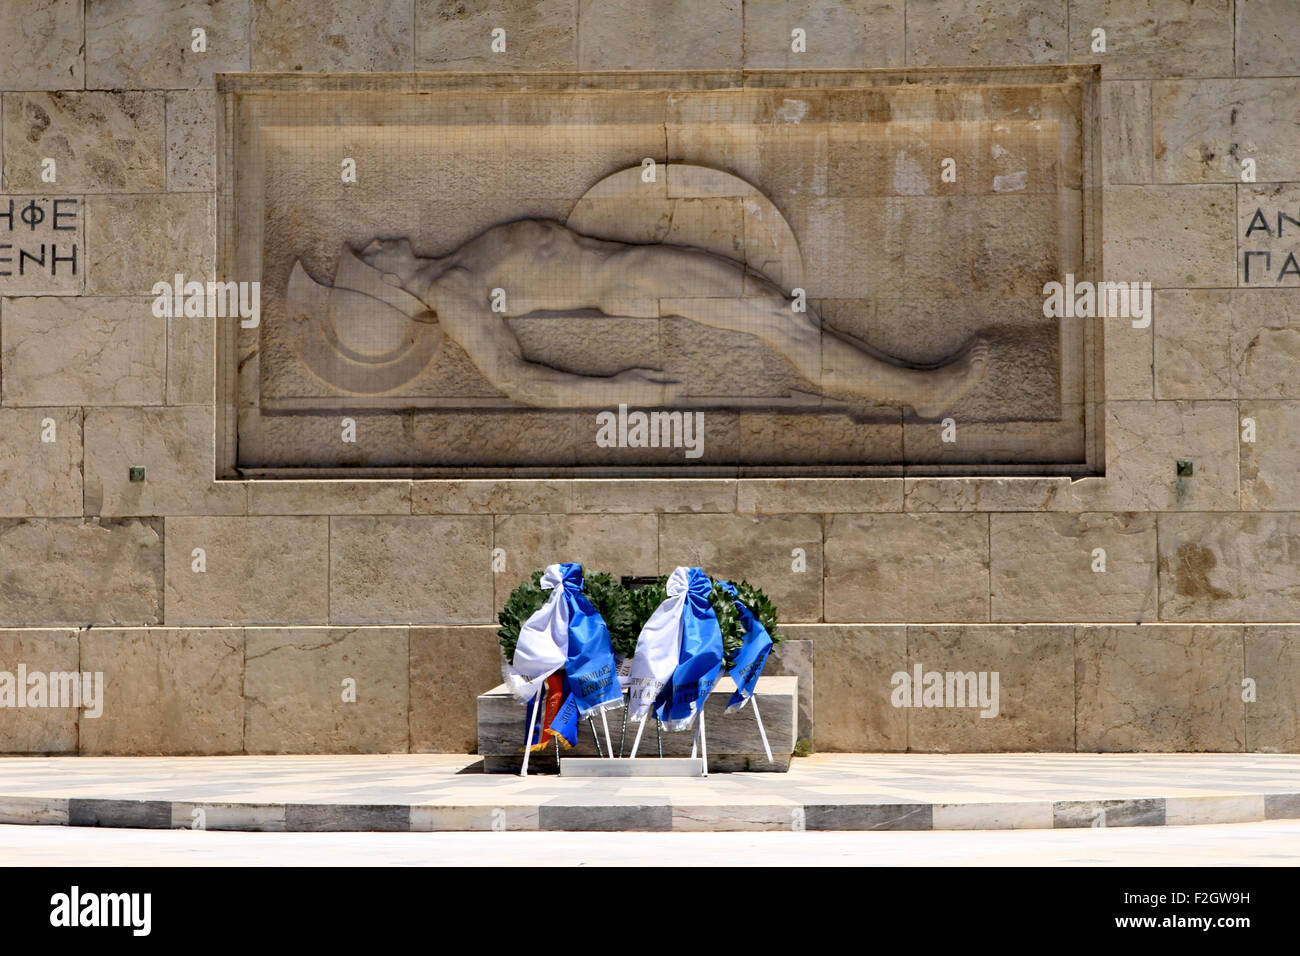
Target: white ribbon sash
[
  {"x": 543, "y": 644},
  {"x": 658, "y": 648}
]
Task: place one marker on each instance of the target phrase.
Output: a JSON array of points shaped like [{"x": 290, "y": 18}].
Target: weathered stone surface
[
  {"x": 457, "y": 35},
  {"x": 298, "y": 681},
  {"x": 880, "y": 816},
  {"x": 923, "y": 495},
  {"x": 425, "y": 818},
  {"x": 1214, "y": 343},
  {"x": 61, "y": 350},
  {"x": 1144, "y": 443},
  {"x": 334, "y": 36},
  {"x": 813, "y": 495},
  {"x": 859, "y": 229},
  {"x": 167, "y": 691},
  {"x": 1033, "y": 708},
  {"x": 191, "y": 141},
  {"x": 851, "y": 688},
  {"x": 1161, "y": 688},
  {"x": 41, "y": 46},
  {"x": 787, "y": 437},
  {"x": 619, "y": 544},
  {"x": 627, "y": 35},
  {"x": 837, "y": 35},
  {"x": 44, "y": 245},
  {"x": 739, "y": 816},
  {"x": 1130, "y": 365},
  {"x": 69, "y": 571},
  {"x": 149, "y": 44},
  {"x": 1266, "y": 230},
  {"x": 329, "y": 497},
  {"x": 384, "y": 439},
  {"x": 136, "y": 241},
  {"x": 346, "y": 818},
  {"x": 1042, "y": 567},
  {"x": 1282, "y": 806},
  {"x": 646, "y": 818},
  {"x": 190, "y": 369},
  {"x": 1273, "y": 662},
  {"x": 995, "y": 815},
  {"x": 986, "y": 33},
  {"x": 1126, "y": 131},
  {"x": 40, "y": 477},
  {"x": 1202, "y": 129},
  {"x": 899, "y": 149},
  {"x": 262, "y": 818},
  {"x": 416, "y": 569},
  {"x": 39, "y": 811},
  {"x": 266, "y": 570},
  {"x": 1138, "y": 812},
  {"x": 488, "y": 496},
  {"x": 37, "y": 730},
  {"x": 782, "y": 554},
  {"x": 450, "y": 666},
  {"x": 794, "y": 658},
  {"x": 100, "y": 142},
  {"x": 122, "y": 814},
  {"x": 1044, "y": 442},
  {"x": 1270, "y": 463},
  {"x": 1198, "y": 342},
  {"x": 669, "y": 495},
  {"x": 1229, "y": 567},
  {"x": 1154, "y": 38},
  {"x": 1263, "y": 35},
  {"x": 899, "y": 568},
  {"x": 173, "y": 445},
  {"x": 1193, "y": 811},
  {"x": 1170, "y": 235}
]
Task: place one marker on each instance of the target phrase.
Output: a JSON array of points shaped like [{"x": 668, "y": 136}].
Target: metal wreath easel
[{"x": 699, "y": 745}]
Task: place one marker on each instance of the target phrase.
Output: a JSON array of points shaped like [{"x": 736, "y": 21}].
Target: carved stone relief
[{"x": 783, "y": 256}]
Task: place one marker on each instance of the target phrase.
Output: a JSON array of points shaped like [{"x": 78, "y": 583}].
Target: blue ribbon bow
[{"x": 751, "y": 658}]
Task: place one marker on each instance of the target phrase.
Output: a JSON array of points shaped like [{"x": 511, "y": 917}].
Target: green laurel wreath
[
  {"x": 626, "y": 611},
  {"x": 603, "y": 590},
  {"x": 646, "y": 599}
]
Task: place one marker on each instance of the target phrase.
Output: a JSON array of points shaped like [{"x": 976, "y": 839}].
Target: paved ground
[
  {"x": 1245, "y": 844},
  {"x": 824, "y": 792}
]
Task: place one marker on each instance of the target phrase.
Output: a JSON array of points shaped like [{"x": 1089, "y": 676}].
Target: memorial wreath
[{"x": 626, "y": 610}]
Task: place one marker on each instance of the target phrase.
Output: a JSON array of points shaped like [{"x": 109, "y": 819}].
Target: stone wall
[{"x": 391, "y": 582}]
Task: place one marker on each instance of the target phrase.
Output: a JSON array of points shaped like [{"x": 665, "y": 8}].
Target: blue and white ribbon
[
  {"x": 566, "y": 632},
  {"x": 750, "y": 659},
  {"x": 678, "y": 654}
]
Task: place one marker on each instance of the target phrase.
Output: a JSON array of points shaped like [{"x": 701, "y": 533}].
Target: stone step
[{"x": 422, "y": 792}]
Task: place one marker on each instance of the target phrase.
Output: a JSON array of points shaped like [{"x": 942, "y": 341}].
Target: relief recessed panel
[{"x": 712, "y": 273}]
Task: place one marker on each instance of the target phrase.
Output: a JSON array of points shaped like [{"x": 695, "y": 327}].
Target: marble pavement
[{"x": 824, "y": 792}]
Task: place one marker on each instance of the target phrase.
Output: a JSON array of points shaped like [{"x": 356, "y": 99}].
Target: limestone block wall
[{"x": 391, "y": 583}]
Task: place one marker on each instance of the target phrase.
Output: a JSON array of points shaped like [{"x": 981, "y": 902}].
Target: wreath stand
[{"x": 696, "y": 765}]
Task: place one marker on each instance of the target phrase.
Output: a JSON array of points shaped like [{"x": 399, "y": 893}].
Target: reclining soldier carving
[{"x": 544, "y": 266}]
